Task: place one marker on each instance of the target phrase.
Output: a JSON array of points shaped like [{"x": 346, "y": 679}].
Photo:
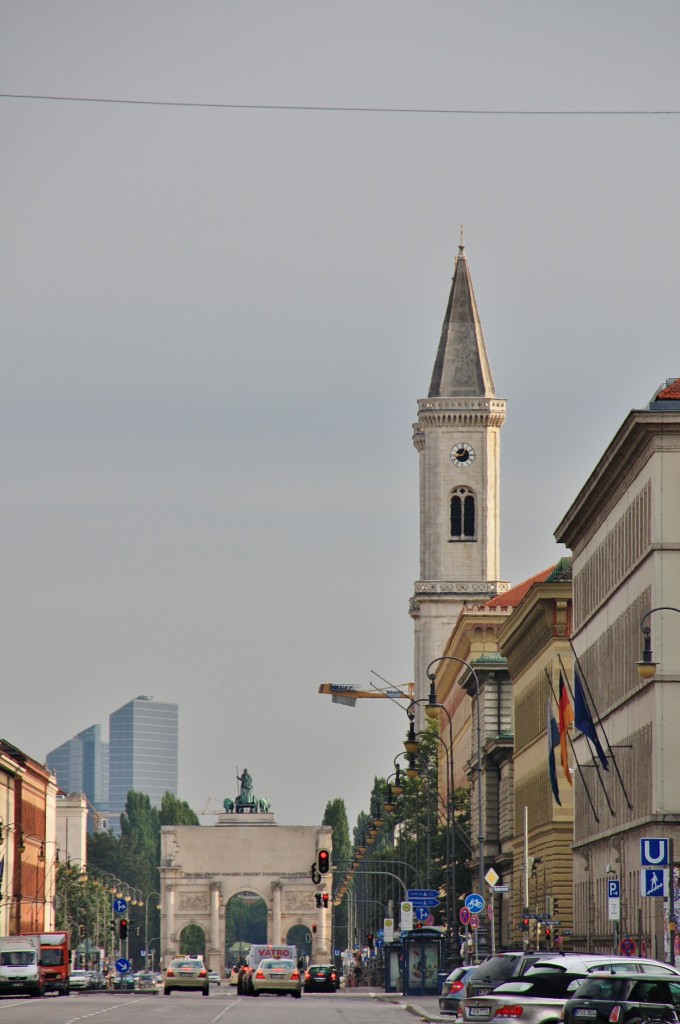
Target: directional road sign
[
  {"x": 421, "y": 913},
  {"x": 475, "y": 903},
  {"x": 122, "y": 965},
  {"x": 422, "y": 894},
  {"x": 119, "y": 906},
  {"x": 425, "y": 902}
]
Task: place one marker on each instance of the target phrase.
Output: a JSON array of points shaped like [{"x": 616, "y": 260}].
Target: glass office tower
[{"x": 143, "y": 744}]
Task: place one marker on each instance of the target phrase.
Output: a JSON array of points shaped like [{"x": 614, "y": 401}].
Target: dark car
[
  {"x": 453, "y": 990},
  {"x": 321, "y": 978},
  {"x": 623, "y": 999},
  {"x": 500, "y": 967}
]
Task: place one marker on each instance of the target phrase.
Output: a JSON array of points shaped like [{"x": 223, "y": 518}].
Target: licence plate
[
  {"x": 479, "y": 1011},
  {"x": 587, "y": 1012}
]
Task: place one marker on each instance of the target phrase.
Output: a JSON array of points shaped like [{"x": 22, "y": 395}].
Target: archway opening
[
  {"x": 300, "y": 937},
  {"x": 245, "y": 924},
  {"x": 192, "y": 940}
]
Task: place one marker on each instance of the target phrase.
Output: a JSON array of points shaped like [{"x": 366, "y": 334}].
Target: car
[
  {"x": 80, "y": 980},
  {"x": 214, "y": 978},
  {"x": 233, "y": 975},
  {"x": 274, "y": 974},
  {"x": 499, "y": 967},
  {"x": 186, "y": 973},
  {"x": 145, "y": 981},
  {"x": 123, "y": 982},
  {"x": 535, "y": 999},
  {"x": 453, "y": 990},
  {"x": 602, "y": 962},
  {"x": 244, "y": 983},
  {"x": 623, "y": 998},
  {"x": 321, "y": 978}
]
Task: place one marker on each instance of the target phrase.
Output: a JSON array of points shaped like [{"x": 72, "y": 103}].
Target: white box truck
[{"x": 20, "y": 965}]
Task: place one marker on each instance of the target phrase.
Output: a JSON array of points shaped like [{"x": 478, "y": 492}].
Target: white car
[{"x": 214, "y": 978}]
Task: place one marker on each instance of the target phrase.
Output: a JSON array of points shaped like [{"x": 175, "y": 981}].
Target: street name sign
[{"x": 422, "y": 894}]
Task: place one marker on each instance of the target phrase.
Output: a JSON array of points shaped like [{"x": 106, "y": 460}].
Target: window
[{"x": 463, "y": 514}]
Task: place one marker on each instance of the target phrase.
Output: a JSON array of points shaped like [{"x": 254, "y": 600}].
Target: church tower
[{"x": 457, "y": 437}]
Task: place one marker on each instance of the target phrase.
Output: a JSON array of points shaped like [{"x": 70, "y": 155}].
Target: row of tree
[{"x": 415, "y": 846}]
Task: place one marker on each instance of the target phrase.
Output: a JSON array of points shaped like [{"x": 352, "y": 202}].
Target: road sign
[
  {"x": 122, "y": 965},
  {"x": 425, "y": 903},
  {"x": 119, "y": 906},
  {"x": 422, "y": 894},
  {"x": 654, "y": 853},
  {"x": 474, "y": 921},
  {"x": 627, "y": 947},
  {"x": 653, "y": 882},
  {"x": 475, "y": 903},
  {"x": 501, "y": 888},
  {"x": 464, "y": 915},
  {"x": 613, "y": 888},
  {"x": 491, "y": 877},
  {"x": 421, "y": 913}
]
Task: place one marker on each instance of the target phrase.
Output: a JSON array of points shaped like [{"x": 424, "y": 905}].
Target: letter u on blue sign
[{"x": 654, "y": 853}]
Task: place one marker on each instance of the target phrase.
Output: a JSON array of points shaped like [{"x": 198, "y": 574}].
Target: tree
[{"x": 176, "y": 812}]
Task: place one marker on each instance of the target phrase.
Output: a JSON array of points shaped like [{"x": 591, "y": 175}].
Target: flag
[
  {"x": 584, "y": 720},
  {"x": 553, "y": 741},
  {"x": 566, "y": 718}
]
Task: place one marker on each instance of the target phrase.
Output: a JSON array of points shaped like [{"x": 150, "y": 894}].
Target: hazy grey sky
[{"x": 217, "y": 323}]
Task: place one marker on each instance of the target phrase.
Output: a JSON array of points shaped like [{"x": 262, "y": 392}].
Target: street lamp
[
  {"x": 432, "y": 703},
  {"x": 647, "y": 666}
]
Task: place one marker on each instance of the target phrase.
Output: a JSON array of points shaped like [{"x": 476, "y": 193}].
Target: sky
[{"x": 229, "y": 230}]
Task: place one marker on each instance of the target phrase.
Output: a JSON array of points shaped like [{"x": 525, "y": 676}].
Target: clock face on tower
[{"x": 462, "y": 454}]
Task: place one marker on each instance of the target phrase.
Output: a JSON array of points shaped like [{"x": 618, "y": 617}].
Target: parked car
[
  {"x": 274, "y": 974},
  {"x": 623, "y": 998},
  {"x": 535, "y": 999},
  {"x": 602, "y": 962},
  {"x": 233, "y": 975},
  {"x": 186, "y": 973},
  {"x": 501, "y": 967},
  {"x": 123, "y": 982},
  {"x": 321, "y": 978},
  {"x": 453, "y": 990},
  {"x": 145, "y": 981}
]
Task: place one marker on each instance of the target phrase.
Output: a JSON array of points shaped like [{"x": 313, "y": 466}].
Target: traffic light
[
  {"x": 317, "y": 897},
  {"x": 325, "y": 900},
  {"x": 81, "y": 931},
  {"x": 323, "y": 862},
  {"x": 525, "y": 924},
  {"x": 122, "y": 928},
  {"x": 369, "y": 940},
  {"x": 112, "y": 925},
  {"x": 547, "y": 931}
]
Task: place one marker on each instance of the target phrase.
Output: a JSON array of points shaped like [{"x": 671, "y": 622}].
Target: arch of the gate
[
  {"x": 192, "y": 939},
  {"x": 246, "y": 916}
]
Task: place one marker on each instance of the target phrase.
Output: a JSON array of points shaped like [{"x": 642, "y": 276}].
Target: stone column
[
  {"x": 215, "y": 890},
  {"x": 169, "y": 937},
  {"x": 276, "y": 913}
]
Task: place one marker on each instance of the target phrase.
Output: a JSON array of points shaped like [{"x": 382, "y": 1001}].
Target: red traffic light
[
  {"x": 122, "y": 928},
  {"x": 323, "y": 862},
  {"x": 325, "y": 899}
]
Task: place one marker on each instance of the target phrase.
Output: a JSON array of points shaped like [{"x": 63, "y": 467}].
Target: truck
[
  {"x": 54, "y": 961},
  {"x": 19, "y": 965},
  {"x": 257, "y": 952}
]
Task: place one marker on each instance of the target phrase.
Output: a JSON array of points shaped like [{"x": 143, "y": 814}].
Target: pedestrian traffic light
[
  {"x": 122, "y": 928},
  {"x": 547, "y": 931},
  {"x": 325, "y": 900},
  {"x": 369, "y": 940},
  {"x": 323, "y": 862},
  {"x": 317, "y": 897},
  {"x": 525, "y": 924}
]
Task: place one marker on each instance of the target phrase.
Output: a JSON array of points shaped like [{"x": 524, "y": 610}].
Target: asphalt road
[{"x": 223, "y": 1005}]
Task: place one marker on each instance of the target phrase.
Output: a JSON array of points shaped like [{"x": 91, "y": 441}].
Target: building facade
[
  {"x": 623, "y": 529},
  {"x": 81, "y": 765}
]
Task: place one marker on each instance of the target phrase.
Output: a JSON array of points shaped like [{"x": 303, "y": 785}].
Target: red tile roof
[
  {"x": 671, "y": 393},
  {"x": 511, "y": 598}
]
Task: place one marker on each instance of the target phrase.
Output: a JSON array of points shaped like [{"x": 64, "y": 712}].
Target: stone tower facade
[{"x": 457, "y": 437}]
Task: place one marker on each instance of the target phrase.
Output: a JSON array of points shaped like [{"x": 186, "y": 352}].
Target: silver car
[{"x": 529, "y": 1000}]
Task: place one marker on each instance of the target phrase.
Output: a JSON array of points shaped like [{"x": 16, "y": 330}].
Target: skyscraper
[
  {"x": 143, "y": 741},
  {"x": 81, "y": 765}
]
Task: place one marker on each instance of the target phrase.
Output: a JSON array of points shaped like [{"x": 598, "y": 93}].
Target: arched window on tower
[{"x": 463, "y": 520}]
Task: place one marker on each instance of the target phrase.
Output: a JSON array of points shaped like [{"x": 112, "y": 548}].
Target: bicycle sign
[{"x": 475, "y": 903}]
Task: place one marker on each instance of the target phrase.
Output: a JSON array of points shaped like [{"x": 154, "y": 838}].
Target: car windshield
[
  {"x": 603, "y": 988},
  {"x": 269, "y": 964},
  {"x": 496, "y": 967},
  {"x": 184, "y": 963},
  {"x": 548, "y": 985},
  {"x": 17, "y": 957}
]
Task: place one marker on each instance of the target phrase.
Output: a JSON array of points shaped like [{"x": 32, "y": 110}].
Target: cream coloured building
[
  {"x": 203, "y": 867},
  {"x": 623, "y": 529}
]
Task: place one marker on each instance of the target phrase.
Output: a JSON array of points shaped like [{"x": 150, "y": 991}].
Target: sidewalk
[{"x": 424, "y": 1007}]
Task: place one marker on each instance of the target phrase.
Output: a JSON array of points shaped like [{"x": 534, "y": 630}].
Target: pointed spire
[{"x": 462, "y": 365}]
